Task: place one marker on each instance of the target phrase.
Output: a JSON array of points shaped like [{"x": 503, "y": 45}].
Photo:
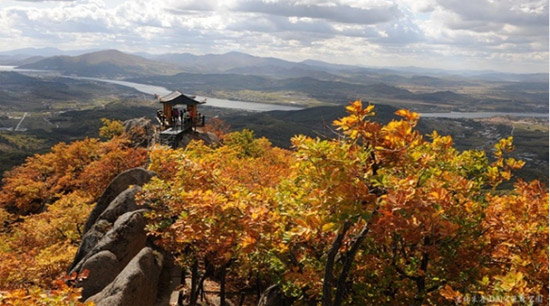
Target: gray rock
[
  {"x": 103, "y": 267},
  {"x": 124, "y": 240},
  {"x": 206, "y": 137},
  {"x": 210, "y": 138},
  {"x": 136, "y": 284},
  {"x": 123, "y": 203},
  {"x": 90, "y": 240},
  {"x": 140, "y": 131},
  {"x": 135, "y": 176}
]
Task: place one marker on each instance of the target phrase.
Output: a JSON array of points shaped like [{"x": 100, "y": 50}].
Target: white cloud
[{"x": 392, "y": 32}]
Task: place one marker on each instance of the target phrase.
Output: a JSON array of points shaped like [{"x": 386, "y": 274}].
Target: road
[{"x": 20, "y": 121}]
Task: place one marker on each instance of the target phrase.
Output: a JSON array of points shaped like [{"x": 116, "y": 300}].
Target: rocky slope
[{"x": 123, "y": 267}]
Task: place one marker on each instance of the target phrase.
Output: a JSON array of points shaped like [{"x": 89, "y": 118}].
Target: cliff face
[{"x": 123, "y": 267}]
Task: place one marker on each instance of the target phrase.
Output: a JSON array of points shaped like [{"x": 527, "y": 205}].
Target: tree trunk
[
  {"x": 328, "y": 282},
  {"x": 421, "y": 280},
  {"x": 194, "y": 283},
  {"x": 222, "y": 286}
]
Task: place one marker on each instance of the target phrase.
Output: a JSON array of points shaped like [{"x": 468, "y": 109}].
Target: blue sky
[{"x": 501, "y": 35}]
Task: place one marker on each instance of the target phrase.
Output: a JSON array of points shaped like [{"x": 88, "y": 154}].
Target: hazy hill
[
  {"x": 107, "y": 63},
  {"x": 18, "y": 57},
  {"x": 242, "y": 63},
  {"x": 210, "y": 63},
  {"x": 274, "y": 80},
  {"x": 279, "y": 72},
  {"x": 329, "y": 91}
]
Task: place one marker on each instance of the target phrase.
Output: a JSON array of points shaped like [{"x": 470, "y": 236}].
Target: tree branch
[{"x": 349, "y": 258}]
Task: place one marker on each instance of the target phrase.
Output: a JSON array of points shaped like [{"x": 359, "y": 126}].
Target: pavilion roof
[{"x": 177, "y": 97}]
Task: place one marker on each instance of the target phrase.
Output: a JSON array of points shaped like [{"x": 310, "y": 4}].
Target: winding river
[
  {"x": 262, "y": 107},
  {"x": 152, "y": 89},
  {"x": 222, "y": 103}
]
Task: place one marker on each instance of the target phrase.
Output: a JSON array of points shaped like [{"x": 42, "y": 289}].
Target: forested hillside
[{"x": 377, "y": 214}]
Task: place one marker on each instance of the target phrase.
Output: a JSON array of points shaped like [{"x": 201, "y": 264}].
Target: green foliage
[{"x": 246, "y": 144}]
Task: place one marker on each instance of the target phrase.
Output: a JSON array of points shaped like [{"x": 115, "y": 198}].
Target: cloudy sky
[{"x": 504, "y": 35}]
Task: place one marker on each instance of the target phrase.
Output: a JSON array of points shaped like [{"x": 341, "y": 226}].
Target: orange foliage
[
  {"x": 43, "y": 206},
  {"x": 59, "y": 295},
  {"x": 381, "y": 216},
  {"x": 217, "y": 126},
  {"x": 87, "y": 165}
]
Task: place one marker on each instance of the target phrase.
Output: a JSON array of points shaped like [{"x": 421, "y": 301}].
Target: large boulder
[
  {"x": 135, "y": 176},
  {"x": 90, "y": 240},
  {"x": 208, "y": 138},
  {"x": 124, "y": 202},
  {"x": 136, "y": 284},
  {"x": 103, "y": 267},
  {"x": 122, "y": 242},
  {"x": 141, "y": 132}
]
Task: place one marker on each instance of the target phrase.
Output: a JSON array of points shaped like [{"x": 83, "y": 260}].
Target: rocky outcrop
[
  {"x": 123, "y": 267},
  {"x": 124, "y": 202},
  {"x": 177, "y": 138},
  {"x": 136, "y": 284},
  {"x": 112, "y": 252},
  {"x": 141, "y": 132},
  {"x": 135, "y": 176}
]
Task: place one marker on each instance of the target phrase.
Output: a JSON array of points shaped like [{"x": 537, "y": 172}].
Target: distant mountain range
[
  {"x": 112, "y": 62},
  {"x": 235, "y": 72}
]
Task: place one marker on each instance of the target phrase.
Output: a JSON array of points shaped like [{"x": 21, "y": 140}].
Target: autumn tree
[
  {"x": 382, "y": 215},
  {"x": 217, "y": 126},
  {"x": 44, "y": 204},
  {"x": 87, "y": 165},
  {"x": 208, "y": 203}
]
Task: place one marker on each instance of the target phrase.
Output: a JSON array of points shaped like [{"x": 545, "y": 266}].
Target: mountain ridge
[
  {"x": 231, "y": 62},
  {"x": 112, "y": 63}
]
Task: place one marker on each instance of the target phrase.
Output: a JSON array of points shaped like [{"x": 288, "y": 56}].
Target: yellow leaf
[
  {"x": 354, "y": 106},
  {"x": 247, "y": 241},
  {"x": 405, "y": 113},
  {"x": 484, "y": 281},
  {"x": 329, "y": 227}
]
